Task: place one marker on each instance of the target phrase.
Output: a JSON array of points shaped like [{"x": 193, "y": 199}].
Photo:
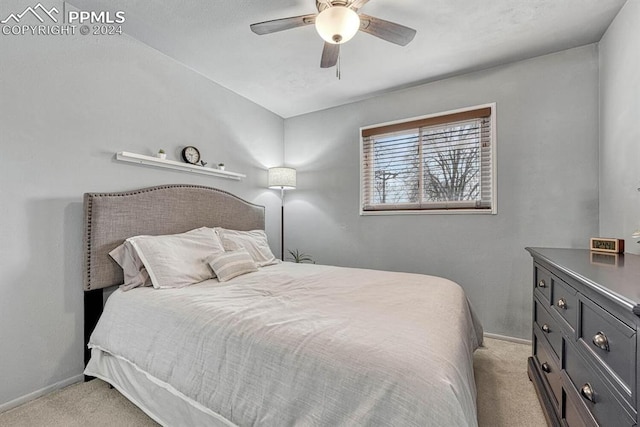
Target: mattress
[{"x": 298, "y": 344}]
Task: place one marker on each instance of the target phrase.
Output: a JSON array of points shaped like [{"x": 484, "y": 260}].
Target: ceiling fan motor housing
[{"x": 322, "y": 5}]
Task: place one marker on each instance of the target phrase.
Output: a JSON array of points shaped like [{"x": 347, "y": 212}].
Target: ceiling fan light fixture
[{"x": 337, "y": 24}]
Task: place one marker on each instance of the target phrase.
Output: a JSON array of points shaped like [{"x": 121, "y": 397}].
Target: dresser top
[{"x": 616, "y": 276}]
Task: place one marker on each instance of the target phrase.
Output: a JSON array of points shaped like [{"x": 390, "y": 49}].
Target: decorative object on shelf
[
  {"x": 284, "y": 179},
  {"x": 191, "y": 154},
  {"x": 603, "y": 244},
  {"x": 141, "y": 159},
  {"x": 203, "y": 163},
  {"x": 300, "y": 257},
  {"x": 221, "y": 166},
  {"x": 161, "y": 154}
]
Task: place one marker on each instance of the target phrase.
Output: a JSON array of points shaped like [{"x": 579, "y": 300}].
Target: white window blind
[{"x": 442, "y": 162}]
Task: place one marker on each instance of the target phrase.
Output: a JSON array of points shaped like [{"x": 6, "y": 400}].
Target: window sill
[{"x": 432, "y": 212}]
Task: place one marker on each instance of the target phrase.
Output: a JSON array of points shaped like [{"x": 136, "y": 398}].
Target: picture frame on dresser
[{"x": 584, "y": 362}]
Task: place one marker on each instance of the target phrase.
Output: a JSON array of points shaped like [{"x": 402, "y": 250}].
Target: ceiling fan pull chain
[{"x": 338, "y": 75}]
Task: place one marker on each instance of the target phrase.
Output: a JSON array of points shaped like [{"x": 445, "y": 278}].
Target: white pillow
[
  {"x": 232, "y": 264},
  {"x": 135, "y": 274},
  {"x": 254, "y": 242},
  {"x": 178, "y": 260}
]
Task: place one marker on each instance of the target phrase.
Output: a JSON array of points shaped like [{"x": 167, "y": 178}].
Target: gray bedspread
[{"x": 306, "y": 345}]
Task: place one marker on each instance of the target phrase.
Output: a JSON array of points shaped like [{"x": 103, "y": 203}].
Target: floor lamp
[{"x": 283, "y": 179}]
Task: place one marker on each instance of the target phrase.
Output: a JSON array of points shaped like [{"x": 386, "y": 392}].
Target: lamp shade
[
  {"x": 282, "y": 178},
  {"x": 337, "y": 24}
]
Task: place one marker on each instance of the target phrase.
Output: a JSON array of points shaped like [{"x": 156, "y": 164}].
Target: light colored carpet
[
  {"x": 505, "y": 397},
  {"x": 80, "y": 405}
]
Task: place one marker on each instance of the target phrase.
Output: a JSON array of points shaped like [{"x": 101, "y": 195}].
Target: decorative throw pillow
[
  {"x": 232, "y": 264},
  {"x": 135, "y": 274},
  {"x": 178, "y": 260},
  {"x": 254, "y": 241}
]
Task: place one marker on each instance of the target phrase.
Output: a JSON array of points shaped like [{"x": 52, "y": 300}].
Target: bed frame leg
[{"x": 93, "y": 306}]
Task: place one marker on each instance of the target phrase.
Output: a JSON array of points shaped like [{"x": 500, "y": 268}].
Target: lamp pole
[
  {"x": 285, "y": 179},
  {"x": 282, "y": 223}
]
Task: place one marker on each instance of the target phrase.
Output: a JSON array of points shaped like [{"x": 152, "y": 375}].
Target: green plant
[
  {"x": 161, "y": 151},
  {"x": 300, "y": 257}
]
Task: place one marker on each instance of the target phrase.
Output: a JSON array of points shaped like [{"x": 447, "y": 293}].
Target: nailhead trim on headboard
[{"x": 88, "y": 203}]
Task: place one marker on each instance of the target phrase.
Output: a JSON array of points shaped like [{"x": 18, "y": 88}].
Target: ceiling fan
[{"x": 337, "y": 21}]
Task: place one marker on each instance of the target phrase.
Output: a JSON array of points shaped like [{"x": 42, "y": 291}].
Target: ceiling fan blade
[
  {"x": 357, "y": 4},
  {"x": 268, "y": 27},
  {"x": 330, "y": 55},
  {"x": 386, "y": 30}
]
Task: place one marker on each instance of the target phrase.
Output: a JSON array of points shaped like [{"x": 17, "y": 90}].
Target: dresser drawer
[
  {"x": 547, "y": 326},
  {"x": 542, "y": 281},
  {"x": 549, "y": 366},
  {"x": 564, "y": 300},
  {"x": 594, "y": 394},
  {"x": 575, "y": 413},
  {"x": 612, "y": 342}
]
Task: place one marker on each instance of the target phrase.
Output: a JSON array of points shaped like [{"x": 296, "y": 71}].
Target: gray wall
[
  {"x": 547, "y": 118},
  {"x": 619, "y": 132},
  {"x": 67, "y": 104}
]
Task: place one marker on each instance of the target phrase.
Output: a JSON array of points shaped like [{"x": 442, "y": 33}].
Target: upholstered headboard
[{"x": 168, "y": 209}]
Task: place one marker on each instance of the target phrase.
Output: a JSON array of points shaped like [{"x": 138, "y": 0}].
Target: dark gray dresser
[{"x": 585, "y": 336}]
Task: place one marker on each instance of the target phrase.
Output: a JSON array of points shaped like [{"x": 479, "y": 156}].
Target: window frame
[{"x": 436, "y": 211}]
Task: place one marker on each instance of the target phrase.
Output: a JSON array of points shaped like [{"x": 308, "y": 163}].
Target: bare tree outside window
[
  {"x": 396, "y": 166},
  {"x": 452, "y": 165},
  {"x": 438, "y": 162}
]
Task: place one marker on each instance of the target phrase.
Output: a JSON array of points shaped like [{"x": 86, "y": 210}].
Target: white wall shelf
[{"x": 125, "y": 156}]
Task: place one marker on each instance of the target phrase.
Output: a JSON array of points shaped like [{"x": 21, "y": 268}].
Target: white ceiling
[{"x": 281, "y": 71}]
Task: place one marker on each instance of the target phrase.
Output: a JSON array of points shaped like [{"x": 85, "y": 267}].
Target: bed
[{"x": 285, "y": 345}]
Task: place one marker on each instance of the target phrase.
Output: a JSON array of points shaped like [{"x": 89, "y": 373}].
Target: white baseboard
[
  {"x": 505, "y": 338},
  {"x": 39, "y": 393}
]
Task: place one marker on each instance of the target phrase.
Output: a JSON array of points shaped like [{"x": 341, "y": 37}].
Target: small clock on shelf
[{"x": 191, "y": 155}]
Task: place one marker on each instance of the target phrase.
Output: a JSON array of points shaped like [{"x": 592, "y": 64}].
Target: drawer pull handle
[
  {"x": 600, "y": 340},
  {"x": 587, "y": 392},
  {"x": 545, "y": 328},
  {"x": 542, "y": 284},
  {"x": 562, "y": 303},
  {"x": 546, "y": 367}
]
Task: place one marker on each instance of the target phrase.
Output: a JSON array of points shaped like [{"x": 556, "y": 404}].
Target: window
[{"x": 439, "y": 163}]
